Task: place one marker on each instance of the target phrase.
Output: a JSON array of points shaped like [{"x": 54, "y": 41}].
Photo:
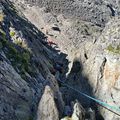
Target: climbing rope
[{"x": 105, "y": 105}]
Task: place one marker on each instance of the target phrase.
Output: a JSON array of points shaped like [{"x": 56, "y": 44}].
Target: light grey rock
[
  {"x": 57, "y": 94},
  {"x": 47, "y": 109},
  {"x": 78, "y": 112}
]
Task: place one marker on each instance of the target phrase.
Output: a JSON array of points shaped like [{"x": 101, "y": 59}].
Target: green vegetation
[
  {"x": 1, "y": 17},
  {"x": 19, "y": 57},
  {"x": 112, "y": 49},
  {"x": 12, "y": 33}
]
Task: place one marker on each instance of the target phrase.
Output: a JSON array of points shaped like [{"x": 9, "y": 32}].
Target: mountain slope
[
  {"x": 26, "y": 64},
  {"x": 79, "y": 44}
]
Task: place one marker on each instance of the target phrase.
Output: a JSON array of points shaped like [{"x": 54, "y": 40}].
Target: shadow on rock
[{"x": 78, "y": 80}]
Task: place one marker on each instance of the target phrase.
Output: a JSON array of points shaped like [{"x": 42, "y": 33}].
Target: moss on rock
[{"x": 112, "y": 49}]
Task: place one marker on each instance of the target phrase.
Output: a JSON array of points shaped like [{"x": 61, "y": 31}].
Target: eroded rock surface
[{"x": 15, "y": 95}]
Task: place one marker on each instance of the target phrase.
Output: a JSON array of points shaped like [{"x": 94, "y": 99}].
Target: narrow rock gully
[{"x": 77, "y": 80}]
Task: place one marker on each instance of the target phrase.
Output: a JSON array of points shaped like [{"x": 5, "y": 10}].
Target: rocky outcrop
[
  {"x": 47, "y": 109},
  {"x": 57, "y": 94},
  {"x": 109, "y": 43},
  {"x": 78, "y": 113}
]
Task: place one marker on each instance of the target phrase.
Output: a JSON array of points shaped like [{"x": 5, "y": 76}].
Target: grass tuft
[
  {"x": 1, "y": 17},
  {"x": 112, "y": 49}
]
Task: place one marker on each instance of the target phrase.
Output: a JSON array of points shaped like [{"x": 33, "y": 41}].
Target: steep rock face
[
  {"x": 108, "y": 86},
  {"x": 26, "y": 63},
  {"x": 81, "y": 41},
  {"x": 102, "y": 68},
  {"x": 15, "y": 95}
]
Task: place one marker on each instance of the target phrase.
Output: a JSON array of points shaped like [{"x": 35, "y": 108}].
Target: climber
[{"x": 50, "y": 42}]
